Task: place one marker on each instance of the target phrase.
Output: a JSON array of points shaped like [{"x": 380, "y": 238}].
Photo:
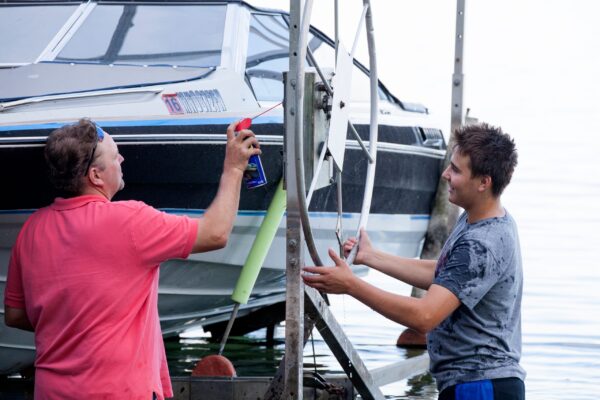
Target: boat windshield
[
  {"x": 145, "y": 34},
  {"x": 268, "y": 58},
  {"x": 27, "y": 30}
]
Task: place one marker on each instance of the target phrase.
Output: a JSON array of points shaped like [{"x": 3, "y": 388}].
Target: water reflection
[
  {"x": 252, "y": 355},
  {"x": 419, "y": 387}
]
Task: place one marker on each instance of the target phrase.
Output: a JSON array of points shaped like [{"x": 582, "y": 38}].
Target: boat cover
[{"x": 45, "y": 79}]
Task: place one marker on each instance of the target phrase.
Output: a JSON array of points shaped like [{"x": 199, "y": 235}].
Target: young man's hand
[
  {"x": 338, "y": 279},
  {"x": 240, "y": 146},
  {"x": 365, "y": 248}
]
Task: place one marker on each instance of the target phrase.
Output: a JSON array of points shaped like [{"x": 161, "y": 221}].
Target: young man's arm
[
  {"x": 215, "y": 225},
  {"x": 17, "y": 318},
  {"x": 415, "y": 272},
  {"x": 420, "y": 314},
  {"x": 412, "y": 271}
]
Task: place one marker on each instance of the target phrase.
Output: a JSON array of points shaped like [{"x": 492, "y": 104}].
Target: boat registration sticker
[
  {"x": 172, "y": 103},
  {"x": 194, "y": 101}
]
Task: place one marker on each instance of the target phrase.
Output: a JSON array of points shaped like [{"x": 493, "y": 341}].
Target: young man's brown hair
[{"x": 491, "y": 152}]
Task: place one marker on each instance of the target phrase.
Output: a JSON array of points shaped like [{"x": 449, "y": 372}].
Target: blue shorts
[{"x": 491, "y": 389}]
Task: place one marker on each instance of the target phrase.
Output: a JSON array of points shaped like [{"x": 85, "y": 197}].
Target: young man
[
  {"x": 472, "y": 309},
  {"x": 83, "y": 273}
]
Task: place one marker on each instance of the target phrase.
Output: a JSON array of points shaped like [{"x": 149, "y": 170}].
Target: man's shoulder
[
  {"x": 480, "y": 234},
  {"x": 495, "y": 235},
  {"x": 37, "y": 216},
  {"x": 129, "y": 205},
  {"x": 138, "y": 210},
  {"x": 128, "y": 210},
  {"x": 491, "y": 227}
]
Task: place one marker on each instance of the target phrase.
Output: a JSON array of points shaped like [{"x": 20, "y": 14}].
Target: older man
[{"x": 83, "y": 273}]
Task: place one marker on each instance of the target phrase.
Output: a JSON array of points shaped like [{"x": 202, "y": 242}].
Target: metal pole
[
  {"x": 458, "y": 77},
  {"x": 373, "y": 127},
  {"x": 298, "y": 326},
  {"x": 336, "y": 25},
  {"x": 294, "y": 311}
]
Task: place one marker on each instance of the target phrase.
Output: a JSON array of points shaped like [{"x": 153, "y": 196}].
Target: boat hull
[{"x": 178, "y": 170}]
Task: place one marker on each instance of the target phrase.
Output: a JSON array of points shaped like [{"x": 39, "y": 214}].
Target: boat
[{"x": 165, "y": 79}]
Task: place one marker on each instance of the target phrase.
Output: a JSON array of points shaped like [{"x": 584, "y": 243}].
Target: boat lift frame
[{"x": 307, "y": 308}]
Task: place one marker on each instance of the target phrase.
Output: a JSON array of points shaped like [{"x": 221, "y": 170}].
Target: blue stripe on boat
[
  {"x": 315, "y": 214},
  {"x": 157, "y": 122}
]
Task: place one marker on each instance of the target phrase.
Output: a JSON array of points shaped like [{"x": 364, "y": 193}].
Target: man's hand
[
  {"x": 239, "y": 148},
  {"x": 217, "y": 222},
  {"x": 338, "y": 279},
  {"x": 365, "y": 248}
]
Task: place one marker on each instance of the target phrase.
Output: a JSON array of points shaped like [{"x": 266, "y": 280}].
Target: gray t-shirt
[{"x": 481, "y": 264}]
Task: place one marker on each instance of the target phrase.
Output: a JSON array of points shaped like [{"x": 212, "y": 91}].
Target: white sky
[
  {"x": 522, "y": 58},
  {"x": 531, "y": 66}
]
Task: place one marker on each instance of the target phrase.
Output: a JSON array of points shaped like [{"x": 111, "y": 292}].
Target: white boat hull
[{"x": 197, "y": 291}]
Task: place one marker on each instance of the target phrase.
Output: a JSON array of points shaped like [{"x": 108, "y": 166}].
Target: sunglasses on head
[{"x": 99, "y": 138}]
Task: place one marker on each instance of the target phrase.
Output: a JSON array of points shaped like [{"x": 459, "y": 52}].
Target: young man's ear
[{"x": 485, "y": 182}]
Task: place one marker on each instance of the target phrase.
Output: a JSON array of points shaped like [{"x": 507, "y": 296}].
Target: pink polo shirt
[{"x": 86, "y": 272}]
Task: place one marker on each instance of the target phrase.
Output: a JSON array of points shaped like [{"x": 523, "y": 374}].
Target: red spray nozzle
[
  {"x": 243, "y": 124},
  {"x": 246, "y": 122}
]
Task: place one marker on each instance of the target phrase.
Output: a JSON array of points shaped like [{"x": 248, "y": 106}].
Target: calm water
[{"x": 554, "y": 198}]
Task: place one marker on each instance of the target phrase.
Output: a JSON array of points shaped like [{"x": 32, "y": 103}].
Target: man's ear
[
  {"x": 94, "y": 176},
  {"x": 485, "y": 182}
]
